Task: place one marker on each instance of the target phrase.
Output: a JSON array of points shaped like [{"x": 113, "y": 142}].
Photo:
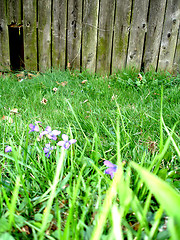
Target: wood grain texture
[
  {"x": 169, "y": 37},
  {"x": 176, "y": 65},
  {"x": 59, "y": 17},
  {"x": 4, "y": 39},
  {"x": 121, "y": 33},
  {"x": 44, "y": 34},
  {"x": 30, "y": 34},
  {"x": 137, "y": 33},
  {"x": 74, "y": 33},
  {"x": 89, "y": 34},
  {"x": 154, "y": 32},
  {"x": 14, "y": 11},
  {"x": 105, "y": 33}
]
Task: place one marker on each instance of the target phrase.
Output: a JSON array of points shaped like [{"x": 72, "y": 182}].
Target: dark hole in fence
[{"x": 16, "y": 47}]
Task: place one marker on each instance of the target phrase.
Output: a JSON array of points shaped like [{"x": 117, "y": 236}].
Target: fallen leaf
[
  {"x": 84, "y": 81},
  {"x": 20, "y": 75},
  {"x": 14, "y": 110},
  {"x": 25, "y": 229},
  {"x": 7, "y": 118},
  {"x": 69, "y": 65},
  {"x": 44, "y": 101},
  {"x": 55, "y": 89},
  {"x": 140, "y": 77},
  {"x": 63, "y": 83}
]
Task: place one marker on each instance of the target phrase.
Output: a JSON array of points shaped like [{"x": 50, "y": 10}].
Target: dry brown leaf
[
  {"x": 7, "y": 118},
  {"x": 63, "y": 83},
  {"x": 25, "y": 229},
  {"x": 69, "y": 65},
  {"x": 84, "y": 81},
  {"x": 14, "y": 110},
  {"x": 20, "y": 75},
  {"x": 44, "y": 101},
  {"x": 140, "y": 77}
]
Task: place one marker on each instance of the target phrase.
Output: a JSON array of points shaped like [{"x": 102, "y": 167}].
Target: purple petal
[
  {"x": 37, "y": 122},
  {"x": 110, "y": 171},
  {"x": 65, "y": 137},
  {"x": 48, "y": 129},
  {"x": 31, "y": 125},
  {"x": 36, "y": 128},
  {"x": 55, "y": 132},
  {"x": 109, "y": 164},
  {"x": 8, "y": 149},
  {"x": 72, "y": 141},
  {"x": 43, "y": 133},
  {"x": 61, "y": 143}
]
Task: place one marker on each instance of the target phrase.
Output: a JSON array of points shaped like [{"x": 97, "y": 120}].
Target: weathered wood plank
[
  {"x": 137, "y": 33},
  {"x": 74, "y": 33},
  {"x": 89, "y": 34},
  {"x": 176, "y": 65},
  {"x": 4, "y": 39},
  {"x": 59, "y": 17},
  {"x": 44, "y": 34},
  {"x": 169, "y": 37},
  {"x": 154, "y": 31},
  {"x": 30, "y": 34},
  {"x": 14, "y": 11},
  {"x": 105, "y": 33},
  {"x": 121, "y": 33}
]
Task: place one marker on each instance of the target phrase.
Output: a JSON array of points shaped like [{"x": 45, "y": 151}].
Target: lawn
[{"x": 84, "y": 156}]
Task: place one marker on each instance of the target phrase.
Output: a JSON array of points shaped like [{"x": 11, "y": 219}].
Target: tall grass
[{"x": 128, "y": 121}]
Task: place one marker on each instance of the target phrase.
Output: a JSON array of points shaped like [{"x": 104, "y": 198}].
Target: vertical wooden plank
[
  {"x": 14, "y": 11},
  {"x": 137, "y": 33},
  {"x": 176, "y": 65},
  {"x": 154, "y": 32},
  {"x": 169, "y": 37},
  {"x": 89, "y": 34},
  {"x": 59, "y": 17},
  {"x": 105, "y": 33},
  {"x": 30, "y": 34},
  {"x": 121, "y": 33},
  {"x": 74, "y": 33},
  {"x": 4, "y": 39},
  {"x": 44, "y": 34}
]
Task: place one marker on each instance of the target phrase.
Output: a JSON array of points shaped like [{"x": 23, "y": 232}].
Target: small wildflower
[
  {"x": 34, "y": 128},
  {"x": 55, "y": 89},
  {"x": 50, "y": 134},
  {"x": 47, "y": 150},
  {"x": 66, "y": 143},
  {"x": 112, "y": 168},
  {"x": 8, "y": 149}
]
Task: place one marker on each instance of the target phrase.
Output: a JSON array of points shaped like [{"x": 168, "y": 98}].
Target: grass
[{"x": 130, "y": 120}]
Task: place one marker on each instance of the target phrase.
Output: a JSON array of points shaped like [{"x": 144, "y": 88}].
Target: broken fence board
[
  {"x": 89, "y": 34},
  {"x": 105, "y": 34},
  {"x": 30, "y": 35},
  {"x": 4, "y": 39},
  {"x": 121, "y": 33},
  {"x": 137, "y": 33},
  {"x": 44, "y": 34},
  {"x": 154, "y": 32},
  {"x": 74, "y": 33},
  {"x": 169, "y": 37},
  {"x": 59, "y": 17}
]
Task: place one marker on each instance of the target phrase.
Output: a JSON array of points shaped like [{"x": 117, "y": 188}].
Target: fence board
[
  {"x": 105, "y": 33},
  {"x": 4, "y": 43},
  {"x": 89, "y": 34},
  {"x": 176, "y": 66},
  {"x": 137, "y": 33},
  {"x": 74, "y": 33},
  {"x": 121, "y": 33},
  {"x": 169, "y": 37},
  {"x": 44, "y": 34},
  {"x": 59, "y": 17},
  {"x": 30, "y": 34},
  {"x": 154, "y": 31},
  {"x": 14, "y": 11}
]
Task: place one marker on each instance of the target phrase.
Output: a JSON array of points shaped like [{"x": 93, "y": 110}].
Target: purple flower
[
  {"x": 66, "y": 143},
  {"x": 50, "y": 134},
  {"x": 34, "y": 128},
  {"x": 112, "y": 168},
  {"x": 48, "y": 149},
  {"x": 8, "y": 149}
]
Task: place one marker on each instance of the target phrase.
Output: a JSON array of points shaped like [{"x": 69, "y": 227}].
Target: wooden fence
[{"x": 100, "y": 35}]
